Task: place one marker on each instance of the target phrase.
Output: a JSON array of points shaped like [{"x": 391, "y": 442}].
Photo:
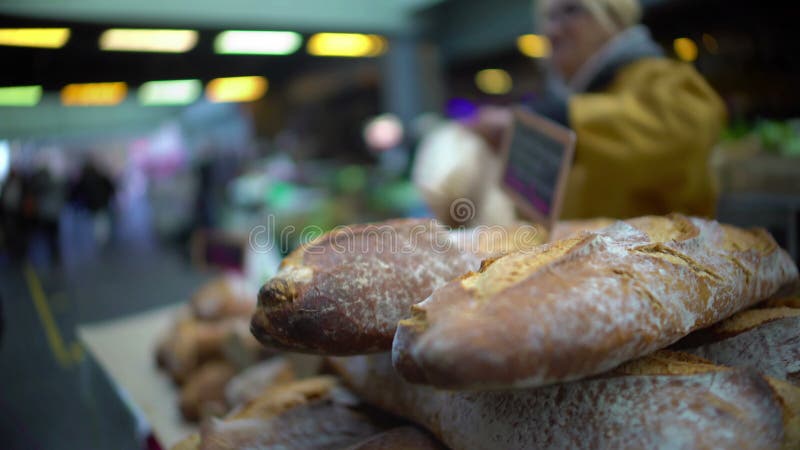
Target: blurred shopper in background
[
  {"x": 13, "y": 228},
  {"x": 48, "y": 198},
  {"x": 93, "y": 190},
  {"x": 645, "y": 124},
  {"x": 92, "y": 196}
]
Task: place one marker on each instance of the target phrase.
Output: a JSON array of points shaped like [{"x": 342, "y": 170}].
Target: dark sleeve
[
  {"x": 552, "y": 106},
  {"x": 552, "y": 101}
]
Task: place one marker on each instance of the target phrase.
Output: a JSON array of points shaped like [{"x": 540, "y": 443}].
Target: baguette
[
  {"x": 203, "y": 395},
  {"x": 344, "y": 293},
  {"x": 664, "y": 401},
  {"x": 314, "y": 413},
  {"x": 249, "y": 384},
  {"x": 581, "y": 306},
  {"x": 190, "y": 343},
  {"x": 767, "y": 340}
]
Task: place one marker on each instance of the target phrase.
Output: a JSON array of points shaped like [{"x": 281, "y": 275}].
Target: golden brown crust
[
  {"x": 665, "y": 362},
  {"x": 785, "y": 302},
  {"x": 583, "y": 305},
  {"x": 249, "y": 384},
  {"x": 747, "y": 320},
  {"x": 278, "y": 399}
]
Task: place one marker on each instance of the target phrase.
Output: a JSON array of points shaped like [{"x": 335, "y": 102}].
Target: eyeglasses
[{"x": 564, "y": 12}]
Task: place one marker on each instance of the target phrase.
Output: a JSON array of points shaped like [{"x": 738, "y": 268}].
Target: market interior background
[{"x": 140, "y": 200}]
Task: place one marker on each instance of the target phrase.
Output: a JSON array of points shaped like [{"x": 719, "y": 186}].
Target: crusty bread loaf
[
  {"x": 664, "y": 401},
  {"x": 581, "y": 306},
  {"x": 251, "y": 383},
  {"x": 315, "y": 413},
  {"x": 278, "y": 399},
  {"x": 767, "y": 340},
  {"x": 343, "y": 293},
  {"x": 190, "y": 343},
  {"x": 203, "y": 395}
]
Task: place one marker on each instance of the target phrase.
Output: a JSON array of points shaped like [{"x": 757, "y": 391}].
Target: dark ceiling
[
  {"x": 81, "y": 60},
  {"x": 755, "y": 69}
]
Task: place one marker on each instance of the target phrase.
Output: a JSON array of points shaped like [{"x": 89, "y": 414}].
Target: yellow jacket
[{"x": 644, "y": 144}]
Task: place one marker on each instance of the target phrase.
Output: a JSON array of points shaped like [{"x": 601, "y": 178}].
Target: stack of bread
[
  {"x": 655, "y": 332},
  {"x": 210, "y": 353}
]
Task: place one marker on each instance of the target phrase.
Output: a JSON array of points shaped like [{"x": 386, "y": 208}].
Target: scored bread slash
[
  {"x": 344, "y": 293},
  {"x": 583, "y": 305}
]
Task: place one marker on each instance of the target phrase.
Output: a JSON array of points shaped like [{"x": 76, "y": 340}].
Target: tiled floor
[{"x": 49, "y": 401}]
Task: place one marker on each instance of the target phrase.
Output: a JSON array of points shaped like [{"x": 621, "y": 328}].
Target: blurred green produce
[{"x": 780, "y": 138}]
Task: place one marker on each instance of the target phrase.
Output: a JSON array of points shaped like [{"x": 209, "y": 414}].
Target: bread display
[
  {"x": 583, "y": 305},
  {"x": 655, "y": 332},
  {"x": 767, "y": 340},
  {"x": 665, "y": 401},
  {"x": 344, "y": 293},
  {"x": 209, "y": 343}
]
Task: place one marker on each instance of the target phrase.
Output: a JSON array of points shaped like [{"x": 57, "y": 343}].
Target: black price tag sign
[{"x": 538, "y": 159}]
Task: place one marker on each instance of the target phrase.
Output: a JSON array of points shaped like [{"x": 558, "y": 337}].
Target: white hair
[{"x": 615, "y": 15}]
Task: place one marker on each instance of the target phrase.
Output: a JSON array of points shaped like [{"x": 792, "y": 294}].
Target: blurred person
[
  {"x": 645, "y": 124},
  {"x": 204, "y": 197},
  {"x": 11, "y": 201},
  {"x": 93, "y": 189},
  {"x": 93, "y": 192},
  {"x": 48, "y": 195}
]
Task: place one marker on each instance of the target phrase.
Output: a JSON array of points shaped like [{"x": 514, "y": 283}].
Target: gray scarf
[{"x": 626, "y": 47}]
